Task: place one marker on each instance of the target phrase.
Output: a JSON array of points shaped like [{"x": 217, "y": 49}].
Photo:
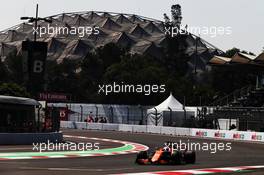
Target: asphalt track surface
[{"x": 242, "y": 154}]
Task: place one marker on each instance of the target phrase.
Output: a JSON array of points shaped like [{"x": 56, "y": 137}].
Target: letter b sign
[{"x": 38, "y": 66}]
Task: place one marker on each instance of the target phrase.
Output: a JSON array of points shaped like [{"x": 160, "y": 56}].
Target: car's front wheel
[
  {"x": 177, "y": 158},
  {"x": 190, "y": 157}
]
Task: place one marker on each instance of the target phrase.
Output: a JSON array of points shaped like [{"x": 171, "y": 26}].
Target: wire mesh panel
[{"x": 126, "y": 114}]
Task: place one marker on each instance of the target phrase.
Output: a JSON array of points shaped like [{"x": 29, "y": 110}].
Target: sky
[{"x": 243, "y": 17}]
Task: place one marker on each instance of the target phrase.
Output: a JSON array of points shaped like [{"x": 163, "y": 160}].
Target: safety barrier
[
  {"x": 230, "y": 135},
  {"x": 29, "y": 138},
  {"x": 80, "y": 125},
  {"x": 183, "y": 131},
  {"x": 168, "y": 130},
  {"x": 175, "y": 131},
  {"x": 139, "y": 128},
  {"x": 126, "y": 128},
  {"x": 154, "y": 129},
  {"x": 110, "y": 127},
  {"x": 95, "y": 126}
]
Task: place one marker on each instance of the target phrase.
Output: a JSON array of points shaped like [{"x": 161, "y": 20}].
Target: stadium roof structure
[
  {"x": 141, "y": 34},
  {"x": 260, "y": 57},
  {"x": 238, "y": 59},
  {"x": 220, "y": 60}
]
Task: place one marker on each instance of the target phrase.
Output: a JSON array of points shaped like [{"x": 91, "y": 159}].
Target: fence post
[
  {"x": 170, "y": 123},
  {"x": 128, "y": 115},
  {"x": 96, "y": 113},
  {"x": 156, "y": 117},
  {"x": 142, "y": 115},
  {"x": 81, "y": 112},
  {"x": 112, "y": 114}
]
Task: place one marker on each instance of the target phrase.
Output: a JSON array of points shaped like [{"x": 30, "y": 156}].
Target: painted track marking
[
  {"x": 200, "y": 171},
  {"x": 127, "y": 148}
]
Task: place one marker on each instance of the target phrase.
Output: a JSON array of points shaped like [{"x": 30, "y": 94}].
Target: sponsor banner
[
  {"x": 231, "y": 135},
  {"x": 201, "y": 133},
  {"x": 256, "y": 136},
  {"x": 53, "y": 97},
  {"x": 246, "y": 136},
  {"x": 237, "y": 135}
]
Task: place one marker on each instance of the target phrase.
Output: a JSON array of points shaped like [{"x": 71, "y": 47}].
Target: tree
[
  {"x": 110, "y": 54},
  {"x": 92, "y": 67},
  {"x": 4, "y": 74},
  {"x": 14, "y": 64},
  {"x": 135, "y": 70},
  {"x": 231, "y": 52},
  {"x": 63, "y": 77},
  {"x": 13, "y": 89},
  {"x": 175, "y": 59}
]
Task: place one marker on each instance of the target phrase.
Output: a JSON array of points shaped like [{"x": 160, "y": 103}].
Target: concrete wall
[
  {"x": 174, "y": 131},
  {"x": 29, "y": 138}
]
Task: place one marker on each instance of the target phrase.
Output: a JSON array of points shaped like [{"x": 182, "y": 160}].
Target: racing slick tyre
[
  {"x": 177, "y": 158},
  {"x": 190, "y": 157},
  {"x": 141, "y": 156}
]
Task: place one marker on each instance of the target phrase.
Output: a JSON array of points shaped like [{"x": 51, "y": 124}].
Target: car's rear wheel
[
  {"x": 190, "y": 157},
  {"x": 142, "y": 155}
]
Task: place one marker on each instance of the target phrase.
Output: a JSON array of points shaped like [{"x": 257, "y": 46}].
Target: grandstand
[{"x": 140, "y": 34}]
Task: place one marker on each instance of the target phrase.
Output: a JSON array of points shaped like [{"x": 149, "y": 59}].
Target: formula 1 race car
[{"x": 162, "y": 156}]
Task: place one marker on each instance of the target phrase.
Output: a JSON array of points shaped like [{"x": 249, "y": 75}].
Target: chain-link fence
[
  {"x": 123, "y": 114},
  {"x": 247, "y": 118}
]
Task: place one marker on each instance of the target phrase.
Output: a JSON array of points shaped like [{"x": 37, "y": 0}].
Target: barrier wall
[
  {"x": 183, "y": 131},
  {"x": 154, "y": 129},
  {"x": 126, "y": 128},
  {"x": 80, "y": 125},
  {"x": 168, "y": 130},
  {"x": 231, "y": 135},
  {"x": 139, "y": 128},
  {"x": 29, "y": 138},
  {"x": 175, "y": 131},
  {"x": 110, "y": 127},
  {"x": 95, "y": 126}
]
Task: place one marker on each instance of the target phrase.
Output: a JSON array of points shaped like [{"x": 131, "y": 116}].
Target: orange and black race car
[{"x": 166, "y": 156}]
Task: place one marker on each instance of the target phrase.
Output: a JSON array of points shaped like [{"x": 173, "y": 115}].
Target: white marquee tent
[
  {"x": 170, "y": 102},
  {"x": 169, "y": 112}
]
